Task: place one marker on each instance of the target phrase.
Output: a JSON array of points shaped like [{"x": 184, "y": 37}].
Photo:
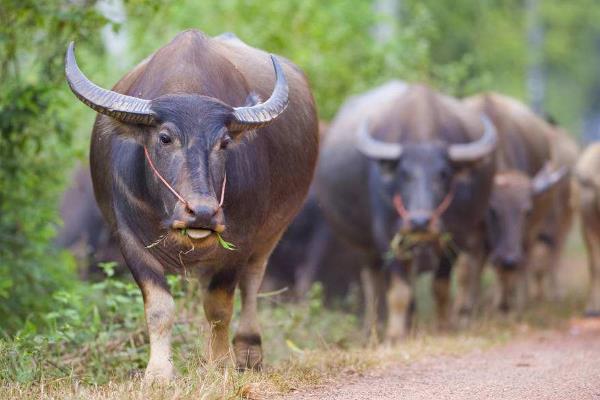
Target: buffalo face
[
  {"x": 417, "y": 179},
  {"x": 514, "y": 200},
  {"x": 185, "y": 140},
  {"x": 418, "y": 183}
]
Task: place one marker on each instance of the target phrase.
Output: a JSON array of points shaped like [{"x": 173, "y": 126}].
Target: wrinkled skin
[
  {"x": 268, "y": 174},
  {"x": 359, "y": 203}
]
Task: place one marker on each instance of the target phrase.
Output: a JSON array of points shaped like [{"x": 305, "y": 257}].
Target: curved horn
[
  {"x": 262, "y": 114},
  {"x": 545, "y": 179},
  {"x": 374, "y": 148},
  {"x": 473, "y": 151},
  {"x": 115, "y": 105}
]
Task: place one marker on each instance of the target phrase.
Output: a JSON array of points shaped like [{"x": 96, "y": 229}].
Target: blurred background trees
[{"x": 458, "y": 46}]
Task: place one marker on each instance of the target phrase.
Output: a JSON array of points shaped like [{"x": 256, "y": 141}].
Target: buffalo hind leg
[
  {"x": 218, "y": 308},
  {"x": 247, "y": 343}
]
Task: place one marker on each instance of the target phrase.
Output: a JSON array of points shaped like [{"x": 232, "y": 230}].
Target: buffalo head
[
  {"x": 418, "y": 178},
  {"x": 511, "y": 213},
  {"x": 185, "y": 138}
]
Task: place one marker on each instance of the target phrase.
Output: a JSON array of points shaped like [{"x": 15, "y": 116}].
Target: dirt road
[{"x": 555, "y": 365}]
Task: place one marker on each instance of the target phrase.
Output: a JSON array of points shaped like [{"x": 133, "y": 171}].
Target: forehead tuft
[{"x": 188, "y": 111}]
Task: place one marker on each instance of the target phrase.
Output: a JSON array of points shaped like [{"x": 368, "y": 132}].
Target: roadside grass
[
  {"x": 95, "y": 346},
  {"x": 101, "y": 354}
]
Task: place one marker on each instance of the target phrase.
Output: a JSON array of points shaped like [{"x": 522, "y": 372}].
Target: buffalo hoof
[
  {"x": 248, "y": 352},
  {"x": 591, "y": 313},
  {"x": 463, "y": 319},
  {"x": 394, "y": 340},
  {"x": 158, "y": 374}
]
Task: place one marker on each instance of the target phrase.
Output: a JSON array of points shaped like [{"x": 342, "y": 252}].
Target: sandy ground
[{"x": 550, "y": 365}]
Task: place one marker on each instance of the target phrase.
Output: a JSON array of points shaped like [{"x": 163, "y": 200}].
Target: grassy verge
[{"x": 100, "y": 353}]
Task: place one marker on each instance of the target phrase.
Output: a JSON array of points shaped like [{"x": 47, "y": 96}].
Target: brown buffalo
[
  {"x": 522, "y": 195},
  {"x": 588, "y": 179},
  {"x": 404, "y": 176},
  {"x": 198, "y": 149},
  {"x": 547, "y": 250}
]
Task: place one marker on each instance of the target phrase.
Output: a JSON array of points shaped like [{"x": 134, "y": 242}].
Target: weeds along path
[{"x": 551, "y": 365}]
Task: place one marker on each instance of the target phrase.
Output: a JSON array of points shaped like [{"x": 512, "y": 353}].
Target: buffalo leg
[
  {"x": 468, "y": 269},
  {"x": 400, "y": 307},
  {"x": 512, "y": 289},
  {"x": 247, "y": 340},
  {"x": 317, "y": 247},
  {"x": 218, "y": 308},
  {"x": 441, "y": 292},
  {"x": 592, "y": 241},
  {"x": 370, "y": 279},
  {"x": 159, "y": 307}
]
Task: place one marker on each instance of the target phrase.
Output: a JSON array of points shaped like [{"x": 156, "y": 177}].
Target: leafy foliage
[{"x": 35, "y": 150}]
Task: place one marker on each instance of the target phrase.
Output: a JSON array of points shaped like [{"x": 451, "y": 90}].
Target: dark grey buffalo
[
  {"x": 523, "y": 191},
  {"x": 200, "y": 159},
  {"x": 309, "y": 251},
  {"x": 405, "y": 175}
]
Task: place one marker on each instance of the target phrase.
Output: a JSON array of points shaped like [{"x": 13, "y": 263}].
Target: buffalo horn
[
  {"x": 476, "y": 150},
  {"x": 124, "y": 108}
]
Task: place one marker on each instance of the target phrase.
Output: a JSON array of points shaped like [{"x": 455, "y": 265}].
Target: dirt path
[{"x": 555, "y": 365}]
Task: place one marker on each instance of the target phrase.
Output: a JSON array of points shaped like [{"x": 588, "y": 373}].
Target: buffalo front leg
[
  {"x": 592, "y": 241},
  {"x": 159, "y": 307},
  {"x": 468, "y": 270},
  {"x": 512, "y": 289},
  {"x": 400, "y": 306},
  {"x": 218, "y": 308},
  {"x": 441, "y": 292},
  {"x": 371, "y": 288},
  {"x": 247, "y": 344}
]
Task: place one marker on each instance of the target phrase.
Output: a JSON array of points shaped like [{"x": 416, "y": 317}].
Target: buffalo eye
[
  {"x": 226, "y": 141},
  {"x": 165, "y": 138}
]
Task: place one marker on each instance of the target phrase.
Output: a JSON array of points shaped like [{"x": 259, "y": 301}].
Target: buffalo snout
[
  {"x": 509, "y": 262},
  {"x": 420, "y": 222},
  {"x": 200, "y": 213}
]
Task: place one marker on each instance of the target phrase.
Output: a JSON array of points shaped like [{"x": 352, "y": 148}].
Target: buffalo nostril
[
  {"x": 201, "y": 214},
  {"x": 510, "y": 262},
  {"x": 420, "y": 223}
]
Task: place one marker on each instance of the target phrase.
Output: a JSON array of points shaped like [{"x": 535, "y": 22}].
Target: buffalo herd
[{"x": 205, "y": 152}]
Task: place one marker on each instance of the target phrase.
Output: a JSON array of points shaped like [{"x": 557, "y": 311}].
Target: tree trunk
[{"x": 536, "y": 76}]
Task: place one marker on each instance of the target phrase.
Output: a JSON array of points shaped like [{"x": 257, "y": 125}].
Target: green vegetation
[{"x": 57, "y": 330}]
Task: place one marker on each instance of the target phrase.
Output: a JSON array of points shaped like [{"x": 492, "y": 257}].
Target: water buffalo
[
  {"x": 521, "y": 196},
  {"x": 195, "y": 173},
  {"x": 309, "y": 251},
  {"x": 404, "y": 175},
  {"x": 588, "y": 179},
  {"x": 84, "y": 231},
  {"x": 547, "y": 250}
]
